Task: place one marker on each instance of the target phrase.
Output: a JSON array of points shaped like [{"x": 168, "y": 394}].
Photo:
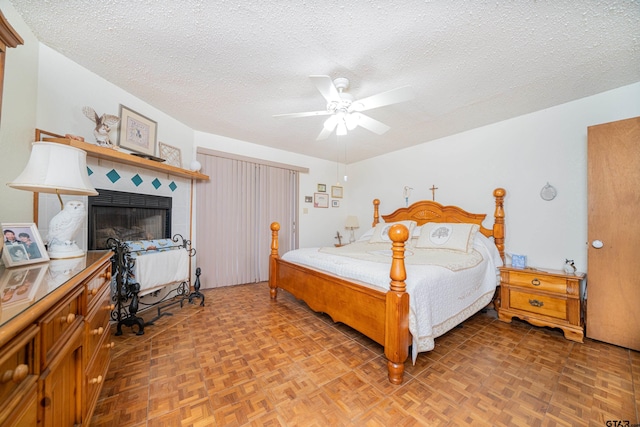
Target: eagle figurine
[{"x": 103, "y": 123}]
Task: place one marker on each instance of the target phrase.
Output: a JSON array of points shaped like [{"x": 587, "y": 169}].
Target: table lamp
[
  {"x": 352, "y": 224},
  {"x": 59, "y": 169}
]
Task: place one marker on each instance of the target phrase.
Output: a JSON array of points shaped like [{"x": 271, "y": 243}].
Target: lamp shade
[
  {"x": 55, "y": 168},
  {"x": 352, "y": 222}
]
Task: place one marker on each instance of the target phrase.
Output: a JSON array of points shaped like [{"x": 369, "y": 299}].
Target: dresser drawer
[
  {"x": 97, "y": 322},
  {"x": 61, "y": 321},
  {"x": 97, "y": 283},
  {"x": 540, "y": 304},
  {"x": 19, "y": 370},
  {"x": 543, "y": 282},
  {"x": 96, "y": 373}
]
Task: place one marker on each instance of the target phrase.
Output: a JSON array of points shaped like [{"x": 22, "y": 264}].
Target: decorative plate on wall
[
  {"x": 548, "y": 192},
  {"x": 171, "y": 154}
]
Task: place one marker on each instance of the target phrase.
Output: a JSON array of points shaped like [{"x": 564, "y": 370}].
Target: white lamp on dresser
[{"x": 59, "y": 169}]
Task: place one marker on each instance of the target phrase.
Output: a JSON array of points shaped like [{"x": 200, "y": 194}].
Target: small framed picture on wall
[
  {"x": 336, "y": 192},
  {"x": 320, "y": 200},
  {"x": 335, "y": 203},
  {"x": 322, "y": 188}
]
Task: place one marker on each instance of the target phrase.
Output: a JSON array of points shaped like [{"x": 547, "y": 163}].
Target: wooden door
[{"x": 613, "y": 290}]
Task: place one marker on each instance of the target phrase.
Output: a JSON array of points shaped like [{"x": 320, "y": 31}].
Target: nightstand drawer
[
  {"x": 541, "y": 281},
  {"x": 540, "y": 304}
]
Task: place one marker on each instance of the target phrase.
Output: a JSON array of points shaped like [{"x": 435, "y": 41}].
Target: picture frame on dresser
[
  {"x": 22, "y": 244},
  {"x": 137, "y": 132}
]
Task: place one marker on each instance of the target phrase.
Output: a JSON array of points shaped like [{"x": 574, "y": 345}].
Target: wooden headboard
[{"x": 427, "y": 211}]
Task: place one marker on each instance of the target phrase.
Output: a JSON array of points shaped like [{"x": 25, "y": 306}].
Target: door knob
[{"x": 597, "y": 244}]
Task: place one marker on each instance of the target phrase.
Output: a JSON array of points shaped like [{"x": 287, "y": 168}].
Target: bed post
[
  {"x": 376, "y": 212},
  {"x": 396, "y": 340},
  {"x": 498, "y": 224},
  {"x": 273, "y": 266}
]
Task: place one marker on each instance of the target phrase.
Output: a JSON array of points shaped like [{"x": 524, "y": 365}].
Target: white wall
[
  {"x": 520, "y": 155},
  {"x": 18, "y": 118}
]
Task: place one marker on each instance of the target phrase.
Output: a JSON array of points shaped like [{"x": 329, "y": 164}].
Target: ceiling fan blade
[
  {"x": 326, "y": 87},
  {"x": 324, "y": 134},
  {"x": 307, "y": 114},
  {"x": 372, "y": 124},
  {"x": 392, "y": 96}
]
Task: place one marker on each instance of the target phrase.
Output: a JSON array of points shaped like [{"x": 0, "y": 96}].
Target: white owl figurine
[
  {"x": 63, "y": 227},
  {"x": 103, "y": 125}
]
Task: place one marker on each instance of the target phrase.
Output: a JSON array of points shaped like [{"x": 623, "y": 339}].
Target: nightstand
[{"x": 543, "y": 298}]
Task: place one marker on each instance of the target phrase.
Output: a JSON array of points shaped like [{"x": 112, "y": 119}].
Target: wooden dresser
[
  {"x": 54, "y": 340},
  {"x": 543, "y": 298}
]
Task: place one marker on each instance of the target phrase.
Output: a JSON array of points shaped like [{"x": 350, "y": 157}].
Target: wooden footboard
[{"x": 383, "y": 316}]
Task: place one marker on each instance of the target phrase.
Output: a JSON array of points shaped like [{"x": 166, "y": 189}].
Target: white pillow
[
  {"x": 453, "y": 236},
  {"x": 381, "y": 231}
]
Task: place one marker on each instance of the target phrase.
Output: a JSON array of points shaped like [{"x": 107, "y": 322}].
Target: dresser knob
[
  {"x": 110, "y": 307},
  {"x": 110, "y": 345},
  {"x": 535, "y": 282},
  {"x": 97, "y": 380},
  {"x": 16, "y": 375},
  {"x": 93, "y": 291},
  {"x": 98, "y": 331},
  {"x": 106, "y": 275},
  {"x": 68, "y": 319},
  {"x": 536, "y": 303}
]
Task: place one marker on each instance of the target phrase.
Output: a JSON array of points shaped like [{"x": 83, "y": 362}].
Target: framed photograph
[
  {"x": 336, "y": 192},
  {"x": 22, "y": 245},
  {"x": 335, "y": 203},
  {"x": 308, "y": 199},
  {"x": 21, "y": 284},
  {"x": 171, "y": 155},
  {"x": 322, "y": 188},
  {"x": 137, "y": 132},
  {"x": 320, "y": 200}
]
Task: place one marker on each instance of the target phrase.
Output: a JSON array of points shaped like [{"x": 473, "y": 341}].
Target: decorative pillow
[
  {"x": 453, "y": 236},
  {"x": 381, "y": 231}
]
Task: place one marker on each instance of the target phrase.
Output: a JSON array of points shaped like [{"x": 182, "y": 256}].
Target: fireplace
[{"x": 127, "y": 216}]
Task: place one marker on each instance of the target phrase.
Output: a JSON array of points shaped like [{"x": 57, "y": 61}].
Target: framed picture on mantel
[{"x": 137, "y": 132}]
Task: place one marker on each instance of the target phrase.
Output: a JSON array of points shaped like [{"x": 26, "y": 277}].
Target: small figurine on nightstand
[
  {"x": 569, "y": 266},
  {"x": 339, "y": 237}
]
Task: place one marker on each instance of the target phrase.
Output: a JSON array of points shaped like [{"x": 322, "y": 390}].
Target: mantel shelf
[{"x": 128, "y": 159}]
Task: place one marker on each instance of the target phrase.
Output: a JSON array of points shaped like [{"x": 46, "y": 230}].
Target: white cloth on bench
[{"x": 156, "y": 270}]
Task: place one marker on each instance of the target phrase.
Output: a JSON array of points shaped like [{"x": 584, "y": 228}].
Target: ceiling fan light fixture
[
  {"x": 341, "y": 129},
  {"x": 351, "y": 120}
]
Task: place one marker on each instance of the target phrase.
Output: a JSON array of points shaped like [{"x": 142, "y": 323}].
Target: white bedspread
[
  {"x": 440, "y": 297},
  {"x": 158, "y": 269}
]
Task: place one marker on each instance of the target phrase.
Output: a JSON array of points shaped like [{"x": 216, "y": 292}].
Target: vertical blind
[{"x": 235, "y": 209}]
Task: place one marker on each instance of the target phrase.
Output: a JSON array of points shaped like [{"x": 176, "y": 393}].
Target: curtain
[{"x": 235, "y": 209}]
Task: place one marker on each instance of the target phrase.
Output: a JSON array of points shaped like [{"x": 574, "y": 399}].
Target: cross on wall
[{"x": 433, "y": 192}]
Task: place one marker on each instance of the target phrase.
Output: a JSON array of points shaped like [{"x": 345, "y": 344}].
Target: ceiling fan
[{"x": 345, "y": 112}]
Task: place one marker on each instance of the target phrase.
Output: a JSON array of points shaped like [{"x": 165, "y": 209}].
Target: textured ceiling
[{"x": 226, "y": 67}]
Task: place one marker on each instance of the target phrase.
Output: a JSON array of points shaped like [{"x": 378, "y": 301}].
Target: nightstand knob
[
  {"x": 535, "y": 282},
  {"x": 536, "y": 303}
]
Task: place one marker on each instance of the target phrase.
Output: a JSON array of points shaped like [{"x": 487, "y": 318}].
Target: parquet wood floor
[{"x": 244, "y": 361}]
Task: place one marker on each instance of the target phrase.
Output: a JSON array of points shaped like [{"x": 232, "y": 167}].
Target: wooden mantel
[{"x": 128, "y": 159}]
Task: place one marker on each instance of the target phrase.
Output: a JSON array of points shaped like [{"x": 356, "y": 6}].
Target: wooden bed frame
[{"x": 381, "y": 316}]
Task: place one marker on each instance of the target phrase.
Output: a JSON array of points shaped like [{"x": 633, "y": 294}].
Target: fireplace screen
[{"x": 127, "y": 216}]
